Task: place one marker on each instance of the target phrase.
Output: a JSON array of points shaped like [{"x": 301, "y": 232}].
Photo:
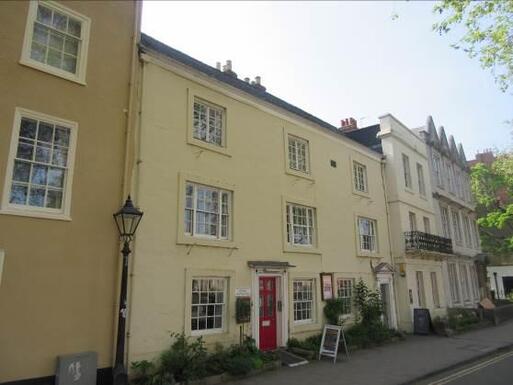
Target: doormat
[{"x": 291, "y": 360}]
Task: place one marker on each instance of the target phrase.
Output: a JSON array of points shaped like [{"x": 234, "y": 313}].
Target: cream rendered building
[
  {"x": 417, "y": 250},
  {"x": 245, "y": 195},
  {"x": 65, "y": 86},
  {"x": 455, "y": 213}
]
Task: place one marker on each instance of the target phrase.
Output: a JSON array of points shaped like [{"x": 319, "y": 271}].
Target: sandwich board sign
[{"x": 330, "y": 339}]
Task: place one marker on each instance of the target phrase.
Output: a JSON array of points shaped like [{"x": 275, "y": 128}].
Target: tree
[
  {"x": 492, "y": 187},
  {"x": 487, "y": 33}
]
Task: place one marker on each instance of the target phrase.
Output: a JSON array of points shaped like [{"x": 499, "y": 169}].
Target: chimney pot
[
  {"x": 218, "y": 65},
  {"x": 348, "y": 124}
]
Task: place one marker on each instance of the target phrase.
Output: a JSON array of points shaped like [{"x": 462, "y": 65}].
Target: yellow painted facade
[
  {"x": 253, "y": 165},
  {"x": 58, "y": 284}
]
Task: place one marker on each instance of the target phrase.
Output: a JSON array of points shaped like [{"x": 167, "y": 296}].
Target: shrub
[
  {"x": 333, "y": 310},
  {"x": 147, "y": 373},
  {"x": 312, "y": 343},
  {"x": 186, "y": 360},
  {"x": 461, "y": 319}
]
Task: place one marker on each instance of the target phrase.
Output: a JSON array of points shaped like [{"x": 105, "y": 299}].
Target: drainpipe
[
  {"x": 394, "y": 293},
  {"x": 131, "y": 123}
]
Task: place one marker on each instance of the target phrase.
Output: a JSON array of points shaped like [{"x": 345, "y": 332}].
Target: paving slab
[{"x": 403, "y": 362}]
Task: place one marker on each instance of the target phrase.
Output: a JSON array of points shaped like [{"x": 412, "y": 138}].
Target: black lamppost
[{"x": 127, "y": 219}]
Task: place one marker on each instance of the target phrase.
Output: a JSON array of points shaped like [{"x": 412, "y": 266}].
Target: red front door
[{"x": 267, "y": 318}]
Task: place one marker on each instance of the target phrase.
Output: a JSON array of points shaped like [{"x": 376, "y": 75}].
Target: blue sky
[{"x": 343, "y": 59}]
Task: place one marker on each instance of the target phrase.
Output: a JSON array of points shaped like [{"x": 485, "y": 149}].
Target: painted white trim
[
  {"x": 32, "y": 211},
  {"x": 80, "y": 75}
]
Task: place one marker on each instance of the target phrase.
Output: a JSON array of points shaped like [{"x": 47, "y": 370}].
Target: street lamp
[{"x": 127, "y": 219}]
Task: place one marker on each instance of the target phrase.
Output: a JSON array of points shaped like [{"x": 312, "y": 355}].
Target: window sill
[
  {"x": 194, "y": 241},
  {"x": 203, "y": 333},
  {"x": 305, "y": 326},
  {"x": 52, "y": 71},
  {"x": 301, "y": 249},
  {"x": 364, "y": 194},
  {"x": 209, "y": 147},
  {"x": 364, "y": 254},
  {"x": 35, "y": 214},
  {"x": 300, "y": 174}
]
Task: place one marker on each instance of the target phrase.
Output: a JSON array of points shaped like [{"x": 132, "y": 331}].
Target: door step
[{"x": 291, "y": 360}]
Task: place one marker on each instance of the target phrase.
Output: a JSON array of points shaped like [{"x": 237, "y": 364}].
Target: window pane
[
  {"x": 54, "y": 58},
  {"x": 59, "y": 21},
  {"x": 44, "y": 15},
  {"x": 74, "y": 27},
  {"x": 45, "y": 132},
  {"x": 25, "y": 149},
  {"x": 21, "y": 171},
  {"x": 40, "y": 34},
  {"x": 38, "y": 52},
  {"x": 69, "y": 63},
  {"x": 60, "y": 156},
  {"x": 18, "y": 194},
  {"x": 39, "y": 174},
  {"x": 71, "y": 46},
  {"x": 37, "y": 197},
  {"x": 56, "y": 177},
  {"x": 28, "y": 128},
  {"x": 54, "y": 199},
  {"x": 56, "y": 41},
  {"x": 43, "y": 152}
]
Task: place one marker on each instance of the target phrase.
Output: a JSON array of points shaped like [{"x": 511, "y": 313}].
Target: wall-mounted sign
[
  {"x": 326, "y": 286},
  {"x": 243, "y": 292},
  {"x": 76, "y": 369}
]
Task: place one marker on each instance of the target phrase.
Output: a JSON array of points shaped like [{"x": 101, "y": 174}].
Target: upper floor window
[
  {"x": 298, "y": 154},
  {"x": 446, "y": 228},
  {"x": 412, "y": 218},
  {"x": 209, "y": 123},
  {"x": 207, "y": 211},
  {"x": 456, "y": 226},
  {"x": 449, "y": 176},
  {"x": 300, "y": 225},
  {"x": 360, "y": 177},
  {"x": 454, "y": 283},
  {"x": 466, "y": 231},
  {"x": 367, "y": 230},
  {"x": 434, "y": 289},
  {"x": 427, "y": 225},
  {"x": 40, "y": 165},
  {"x": 421, "y": 294},
  {"x": 407, "y": 171},
  {"x": 437, "y": 170},
  {"x": 422, "y": 182},
  {"x": 56, "y": 40}
]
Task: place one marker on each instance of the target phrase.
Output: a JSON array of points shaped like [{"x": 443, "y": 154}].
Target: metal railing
[{"x": 417, "y": 240}]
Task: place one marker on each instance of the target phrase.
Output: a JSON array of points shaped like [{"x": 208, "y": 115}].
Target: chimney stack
[
  {"x": 257, "y": 83},
  {"x": 348, "y": 125},
  {"x": 218, "y": 65},
  {"x": 227, "y": 69}
]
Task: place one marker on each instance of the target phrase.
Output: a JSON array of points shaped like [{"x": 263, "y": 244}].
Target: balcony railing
[{"x": 417, "y": 240}]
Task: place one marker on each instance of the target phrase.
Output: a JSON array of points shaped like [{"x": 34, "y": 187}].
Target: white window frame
[
  {"x": 466, "y": 294},
  {"x": 219, "y": 214},
  {"x": 446, "y": 224},
  {"x": 412, "y": 219},
  {"x": 373, "y": 226},
  {"x": 223, "y": 304},
  {"x": 34, "y": 211},
  {"x": 422, "y": 181},
  {"x": 466, "y": 231},
  {"x": 427, "y": 225},
  {"x": 434, "y": 289},
  {"x": 345, "y": 286},
  {"x": 360, "y": 177},
  {"x": 438, "y": 170},
  {"x": 407, "y": 171},
  {"x": 312, "y": 284},
  {"x": 294, "y": 165},
  {"x": 310, "y": 230},
  {"x": 209, "y": 107},
  {"x": 80, "y": 75},
  {"x": 421, "y": 290},
  {"x": 456, "y": 224},
  {"x": 454, "y": 283}
]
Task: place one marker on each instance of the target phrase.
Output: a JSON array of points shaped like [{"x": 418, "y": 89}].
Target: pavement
[{"x": 411, "y": 361}]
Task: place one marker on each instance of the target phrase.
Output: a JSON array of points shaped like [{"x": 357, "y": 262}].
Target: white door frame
[
  {"x": 282, "y": 317},
  {"x": 388, "y": 278}
]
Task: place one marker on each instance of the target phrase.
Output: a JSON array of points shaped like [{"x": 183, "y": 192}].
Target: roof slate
[{"x": 368, "y": 137}]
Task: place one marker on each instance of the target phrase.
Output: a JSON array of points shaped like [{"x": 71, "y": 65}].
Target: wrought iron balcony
[{"x": 417, "y": 240}]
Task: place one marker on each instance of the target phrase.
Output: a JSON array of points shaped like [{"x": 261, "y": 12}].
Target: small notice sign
[
  {"x": 330, "y": 340},
  {"x": 421, "y": 321},
  {"x": 243, "y": 292}
]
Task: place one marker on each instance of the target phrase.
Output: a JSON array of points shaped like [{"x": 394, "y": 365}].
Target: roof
[
  {"x": 368, "y": 136},
  {"x": 151, "y": 44}
]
